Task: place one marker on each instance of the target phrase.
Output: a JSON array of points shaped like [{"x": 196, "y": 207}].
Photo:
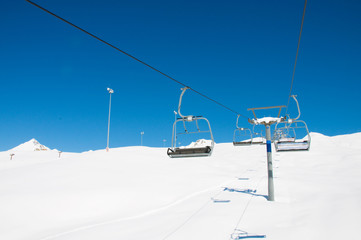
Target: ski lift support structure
[
  {"x": 177, "y": 152},
  {"x": 267, "y": 122}
]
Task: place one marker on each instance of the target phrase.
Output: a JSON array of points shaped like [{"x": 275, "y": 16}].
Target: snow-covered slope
[
  {"x": 140, "y": 193},
  {"x": 31, "y": 145}
]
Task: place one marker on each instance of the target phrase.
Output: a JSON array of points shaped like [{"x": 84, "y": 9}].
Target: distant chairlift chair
[
  {"x": 177, "y": 152},
  {"x": 285, "y": 137},
  {"x": 258, "y": 137},
  {"x": 242, "y": 136},
  {"x": 246, "y": 136}
]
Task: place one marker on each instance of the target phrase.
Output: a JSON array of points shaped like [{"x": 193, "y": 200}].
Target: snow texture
[{"x": 140, "y": 193}]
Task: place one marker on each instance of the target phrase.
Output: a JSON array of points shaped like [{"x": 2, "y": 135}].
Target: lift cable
[
  {"x": 298, "y": 47},
  {"x": 142, "y": 62}
]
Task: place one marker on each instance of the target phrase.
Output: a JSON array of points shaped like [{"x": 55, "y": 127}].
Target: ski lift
[
  {"x": 258, "y": 136},
  {"x": 284, "y": 133},
  {"x": 246, "y": 136},
  {"x": 204, "y": 150},
  {"x": 242, "y": 136},
  {"x": 285, "y": 138}
]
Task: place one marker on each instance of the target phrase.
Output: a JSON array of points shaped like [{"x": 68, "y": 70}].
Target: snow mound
[
  {"x": 200, "y": 143},
  {"x": 31, "y": 145},
  {"x": 319, "y": 136}
]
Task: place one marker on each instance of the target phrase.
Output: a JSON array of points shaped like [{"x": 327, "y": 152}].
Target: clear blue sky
[{"x": 241, "y": 53}]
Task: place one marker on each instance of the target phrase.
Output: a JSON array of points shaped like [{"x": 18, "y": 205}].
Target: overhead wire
[
  {"x": 298, "y": 47},
  {"x": 134, "y": 58}
]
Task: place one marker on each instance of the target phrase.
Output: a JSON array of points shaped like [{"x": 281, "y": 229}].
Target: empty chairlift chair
[
  {"x": 204, "y": 150},
  {"x": 284, "y": 133},
  {"x": 258, "y": 136},
  {"x": 285, "y": 138},
  {"x": 242, "y": 136},
  {"x": 246, "y": 136}
]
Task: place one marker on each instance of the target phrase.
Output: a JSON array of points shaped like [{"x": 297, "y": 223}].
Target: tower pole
[{"x": 271, "y": 196}]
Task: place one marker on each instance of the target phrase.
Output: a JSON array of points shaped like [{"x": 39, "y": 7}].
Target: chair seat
[
  {"x": 293, "y": 146},
  {"x": 190, "y": 152}
]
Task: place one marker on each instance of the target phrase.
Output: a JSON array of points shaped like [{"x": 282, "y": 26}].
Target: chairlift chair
[
  {"x": 189, "y": 151},
  {"x": 286, "y": 142},
  {"x": 242, "y": 136},
  {"x": 246, "y": 136},
  {"x": 258, "y": 136},
  {"x": 285, "y": 133}
]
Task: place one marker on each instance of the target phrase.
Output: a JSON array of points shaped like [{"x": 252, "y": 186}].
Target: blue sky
[{"x": 241, "y": 53}]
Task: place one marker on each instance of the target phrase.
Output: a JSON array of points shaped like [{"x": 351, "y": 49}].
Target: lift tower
[{"x": 267, "y": 122}]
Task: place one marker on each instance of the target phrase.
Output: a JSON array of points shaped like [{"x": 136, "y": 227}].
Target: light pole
[
  {"x": 175, "y": 128},
  {"x": 175, "y": 115},
  {"x": 110, "y": 104},
  {"x": 141, "y": 138}
]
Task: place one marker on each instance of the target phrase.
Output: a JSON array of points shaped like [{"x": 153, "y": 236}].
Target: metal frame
[
  {"x": 245, "y": 142},
  {"x": 258, "y": 135},
  {"x": 239, "y": 129},
  {"x": 285, "y": 133},
  {"x": 175, "y": 152},
  {"x": 251, "y": 133},
  {"x": 296, "y": 144},
  {"x": 263, "y": 108}
]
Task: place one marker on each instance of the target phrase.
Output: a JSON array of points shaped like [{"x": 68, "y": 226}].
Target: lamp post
[
  {"x": 110, "y": 104},
  {"x": 141, "y": 138},
  {"x": 175, "y": 128}
]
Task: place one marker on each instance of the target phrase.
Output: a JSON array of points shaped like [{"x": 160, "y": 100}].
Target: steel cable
[
  {"x": 298, "y": 47},
  {"x": 136, "y": 59}
]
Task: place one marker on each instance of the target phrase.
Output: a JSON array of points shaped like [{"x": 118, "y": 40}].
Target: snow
[
  {"x": 31, "y": 145},
  {"x": 266, "y": 120},
  {"x": 141, "y": 193},
  {"x": 199, "y": 143}
]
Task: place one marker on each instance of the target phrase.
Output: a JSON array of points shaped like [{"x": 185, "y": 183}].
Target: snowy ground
[{"x": 140, "y": 193}]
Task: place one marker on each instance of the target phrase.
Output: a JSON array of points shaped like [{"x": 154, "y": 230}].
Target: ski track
[{"x": 150, "y": 212}]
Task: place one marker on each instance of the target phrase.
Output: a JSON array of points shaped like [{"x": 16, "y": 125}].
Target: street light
[
  {"x": 110, "y": 104},
  {"x": 175, "y": 115},
  {"x": 175, "y": 127},
  {"x": 141, "y": 138}
]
